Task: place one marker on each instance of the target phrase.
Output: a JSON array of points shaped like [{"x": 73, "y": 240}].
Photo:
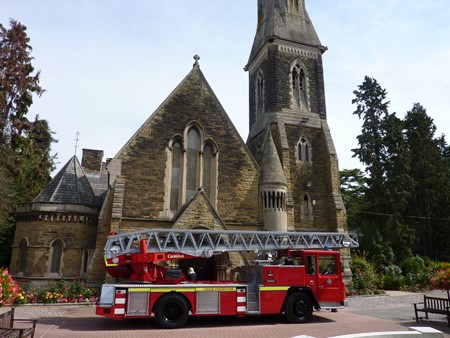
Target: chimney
[{"x": 92, "y": 159}]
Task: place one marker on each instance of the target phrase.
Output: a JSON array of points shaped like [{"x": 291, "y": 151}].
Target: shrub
[
  {"x": 364, "y": 280},
  {"x": 65, "y": 292},
  {"x": 9, "y": 289},
  {"x": 413, "y": 264},
  {"x": 392, "y": 277},
  {"x": 441, "y": 280},
  {"x": 391, "y": 282}
]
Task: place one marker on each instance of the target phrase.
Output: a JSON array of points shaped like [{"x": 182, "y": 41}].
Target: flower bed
[{"x": 57, "y": 292}]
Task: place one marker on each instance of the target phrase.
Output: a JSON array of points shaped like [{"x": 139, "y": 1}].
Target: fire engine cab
[{"x": 292, "y": 273}]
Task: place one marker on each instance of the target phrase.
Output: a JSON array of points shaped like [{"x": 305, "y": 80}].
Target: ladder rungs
[{"x": 204, "y": 243}]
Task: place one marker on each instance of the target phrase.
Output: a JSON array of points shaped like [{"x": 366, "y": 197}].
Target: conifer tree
[
  {"x": 382, "y": 149},
  {"x": 25, "y": 160},
  {"x": 430, "y": 199}
]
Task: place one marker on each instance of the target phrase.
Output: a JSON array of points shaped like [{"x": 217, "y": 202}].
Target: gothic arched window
[
  {"x": 190, "y": 167},
  {"x": 304, "y": 153},
  {"x": 23, "y": 249},
  {"x": 193, "y": 152},
  {"x": 259, "y": 94},
  {"x": 56, "y": 256},
  {"x": 299, "y": 86},
  {"x": 207, "y": 169},
  {"x": 306, "y": 208},
  {"x": 175, "y": 176}
]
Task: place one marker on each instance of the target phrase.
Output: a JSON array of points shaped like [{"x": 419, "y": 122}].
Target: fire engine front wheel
[
  {"x": 298, "y": 308},
  {"x": 171, "y": 311}
]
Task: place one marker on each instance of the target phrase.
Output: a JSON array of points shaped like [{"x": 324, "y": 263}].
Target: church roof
[
  {"x": 272, "y": 171},
  {"x": 286, "y": 20},
  {"x": 69, "y": 186}
]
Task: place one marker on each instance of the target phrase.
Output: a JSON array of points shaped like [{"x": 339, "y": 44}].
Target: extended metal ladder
[{"x": 204, "y": 243}]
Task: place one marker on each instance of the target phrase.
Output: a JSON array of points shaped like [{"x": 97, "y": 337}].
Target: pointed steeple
[
  {"x": 285, "y": 20},
  {"x": 70, "y": 185},
  {"x": 273, "y": 189},
  {"x": 272, "y": 171}
]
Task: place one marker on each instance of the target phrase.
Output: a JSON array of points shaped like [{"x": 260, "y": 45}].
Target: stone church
[{"x": 187, "y": 166}]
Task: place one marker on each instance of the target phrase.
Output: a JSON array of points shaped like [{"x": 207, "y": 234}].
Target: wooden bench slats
[
  {"x": 14, "y": 332},
  {"x": 433, "y": 305},
  {"x": 8, "y": 330}
]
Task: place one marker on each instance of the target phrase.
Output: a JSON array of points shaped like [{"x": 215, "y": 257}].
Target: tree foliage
[
  {"x": 402, "y": 203},
  {"x": 25, "y": 160},
  {"x": 431, "y": 189}
]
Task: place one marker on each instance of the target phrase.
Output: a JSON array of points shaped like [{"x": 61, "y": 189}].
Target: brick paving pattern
[{"x": 393, "y": 312}]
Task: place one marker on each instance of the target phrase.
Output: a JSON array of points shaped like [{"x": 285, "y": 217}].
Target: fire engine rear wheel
[
  {"x": 298, "y": 308},
  {"x": 171, "y": 311}
]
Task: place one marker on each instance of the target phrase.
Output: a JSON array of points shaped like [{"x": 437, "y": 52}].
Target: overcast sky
[{"x": 108, "y": 64}]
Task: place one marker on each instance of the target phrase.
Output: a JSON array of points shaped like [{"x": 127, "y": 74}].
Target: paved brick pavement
[{"x": 81, "y": 321}]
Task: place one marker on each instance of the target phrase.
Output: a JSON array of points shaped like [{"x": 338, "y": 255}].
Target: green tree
[
  {"x": 25, "y": 160},
  {"x": 372, "y": 108},
  {"x": 353, "y": 189},
  {"x": 382, "y": 149},
  {"x": 429, "y": 204}
]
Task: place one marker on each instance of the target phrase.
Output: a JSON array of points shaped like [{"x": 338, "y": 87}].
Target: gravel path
[{"x": 391, "y": 299}]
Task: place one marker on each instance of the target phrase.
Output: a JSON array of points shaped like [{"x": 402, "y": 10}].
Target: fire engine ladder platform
[{"x": 204, "y": 243}]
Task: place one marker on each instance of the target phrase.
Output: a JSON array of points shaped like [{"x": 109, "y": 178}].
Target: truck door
[
  {"x": 330, "y": 283},
  {"x": 311, "y": 272}
]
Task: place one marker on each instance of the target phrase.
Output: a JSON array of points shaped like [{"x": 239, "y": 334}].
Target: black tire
[
  {"x": 171, "y": 311},
  {"x": 298, "y": 308}
]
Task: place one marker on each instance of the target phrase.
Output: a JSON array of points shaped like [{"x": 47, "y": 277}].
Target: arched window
[
  {"x": 304, "y": 150},
  {"x": 175, "y": 176},
  {"x": 192, "y": 163},
  {"x": 56, "y": 252},
  {"x": 207, "y": 170},
  {"x": 193, "y": 152},
  {"x": 299, "y": 86},
  {"x": 259, "y": 94},
  {"x": 23, "y": 249},
  {"x": 306, "y": 208}
]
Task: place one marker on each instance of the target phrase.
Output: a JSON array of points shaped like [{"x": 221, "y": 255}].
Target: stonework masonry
[{"x": 187, "y": 166}]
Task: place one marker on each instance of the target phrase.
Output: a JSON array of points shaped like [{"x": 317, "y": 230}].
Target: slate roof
[
  {"x": 71, "y": 186},
  {"x": 98, "y": 179}
]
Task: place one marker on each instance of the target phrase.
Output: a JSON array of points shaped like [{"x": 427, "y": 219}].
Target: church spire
[
  {"x": 285, "y": 20},
  {"x": 273, "y": 189}
]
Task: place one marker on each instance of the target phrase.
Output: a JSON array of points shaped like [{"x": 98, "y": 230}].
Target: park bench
[
  {"x": 8, "y": 330},
  {"x": 433, "y": 305}
]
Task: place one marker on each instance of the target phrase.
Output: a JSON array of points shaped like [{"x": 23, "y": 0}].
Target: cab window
[
  {"x": 327, "y": 265},
  {"x": 310, "y": 265}
]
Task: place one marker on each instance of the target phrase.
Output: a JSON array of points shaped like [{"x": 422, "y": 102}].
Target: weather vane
[{"x": 76, "y": 141}]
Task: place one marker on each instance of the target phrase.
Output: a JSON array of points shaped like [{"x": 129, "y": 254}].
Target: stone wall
[
  {"x": 144, "y": 158},
  {"x": 74, "y": 233}
]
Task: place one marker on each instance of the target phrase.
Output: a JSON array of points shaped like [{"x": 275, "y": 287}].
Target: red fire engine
[{"x": 293, "y": 273}]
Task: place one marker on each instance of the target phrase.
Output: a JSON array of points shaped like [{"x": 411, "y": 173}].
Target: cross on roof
[{"x": 196, "y": 58}]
